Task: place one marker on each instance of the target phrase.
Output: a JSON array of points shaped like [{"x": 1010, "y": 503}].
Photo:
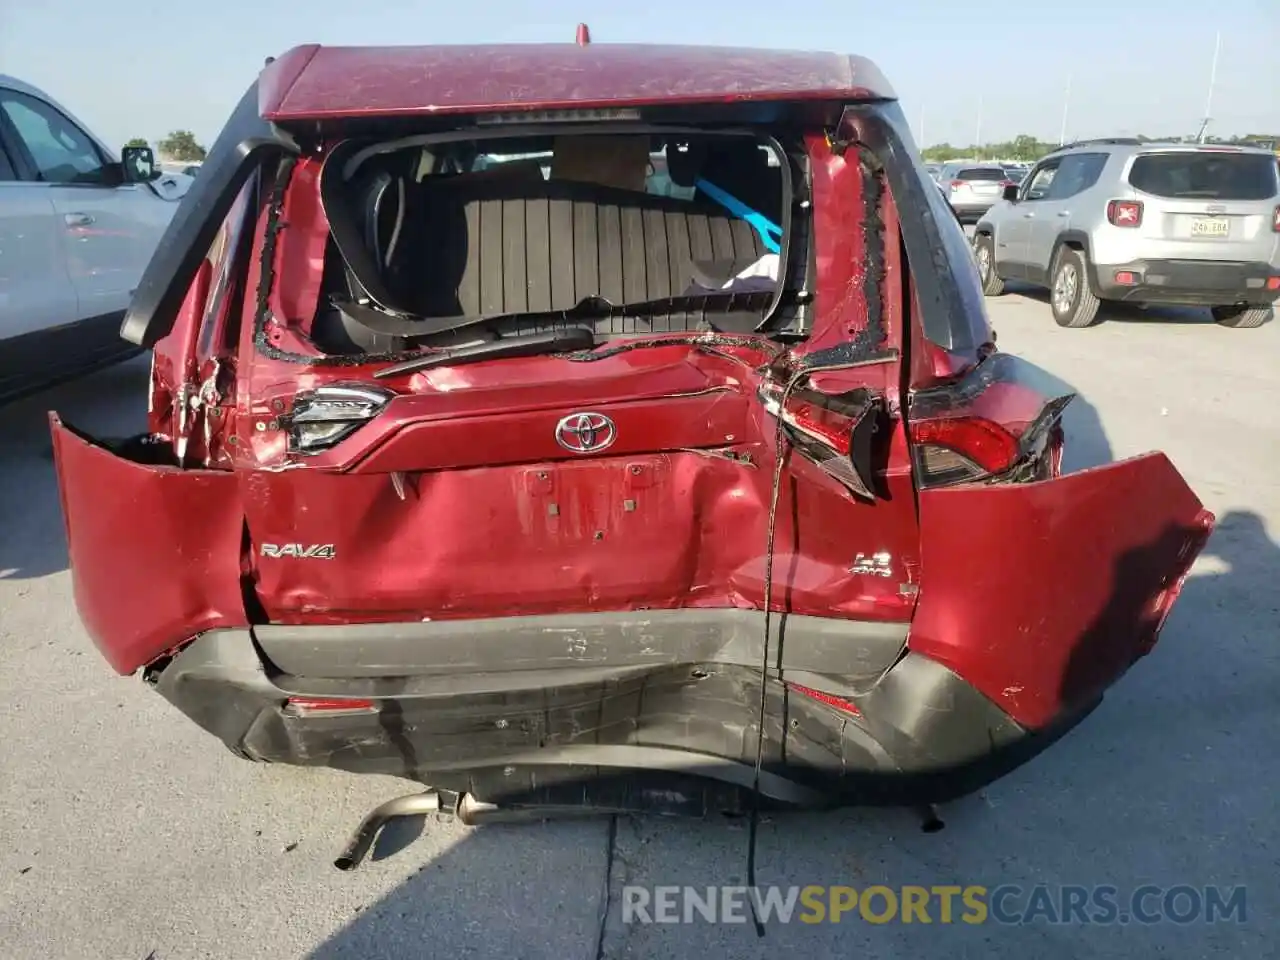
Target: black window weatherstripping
[
  {"x": 245, "y": 146},
  {"x": 951, "y": 301}
]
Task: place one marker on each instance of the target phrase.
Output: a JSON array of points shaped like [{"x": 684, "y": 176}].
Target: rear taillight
[
  {"x": 326, "y": 416},
  {"x": 835, "y": 433},
  {"x": 961, "y": 449},
  {"x": 1124, "y": 213},
  {"x": 1275, "y": 220},
  {"x": 956, "y": 184}
]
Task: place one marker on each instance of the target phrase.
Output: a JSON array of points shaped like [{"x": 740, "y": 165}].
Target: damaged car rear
[{"x": 602, "y": 428}]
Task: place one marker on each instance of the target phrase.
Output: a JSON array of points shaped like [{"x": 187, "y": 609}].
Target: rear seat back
[{"x": 497, "y": 247}]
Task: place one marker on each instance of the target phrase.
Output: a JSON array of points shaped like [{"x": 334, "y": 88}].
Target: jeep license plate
[{"x": 1210, "y": 227}]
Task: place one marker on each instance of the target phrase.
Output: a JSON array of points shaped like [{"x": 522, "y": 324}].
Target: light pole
[
  {"x": 977, "y": 135},
  {"x": 1066, "y": 106},
  {"x": 1213, "y": 80}
]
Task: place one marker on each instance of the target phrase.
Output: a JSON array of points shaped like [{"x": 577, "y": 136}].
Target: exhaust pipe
[
  {"x": 415, "y": 804},
  {"x": 930, "y": 822},
  {"x": 475, "y": 812}
]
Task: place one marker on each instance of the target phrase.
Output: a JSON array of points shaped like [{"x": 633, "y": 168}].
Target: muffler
[{"x": 415, "y": 804}]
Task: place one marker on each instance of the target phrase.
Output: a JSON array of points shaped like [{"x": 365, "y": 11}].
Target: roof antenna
[{"x": 584, "y": 35}]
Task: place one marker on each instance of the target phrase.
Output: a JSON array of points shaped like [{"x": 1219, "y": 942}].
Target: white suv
[
  {"x": 1141, "y": 222},
  {"x": 77, "y": 227}
]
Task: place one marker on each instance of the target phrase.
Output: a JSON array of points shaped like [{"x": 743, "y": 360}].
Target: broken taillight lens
[
  {"x": 835, "y": 433},
  {"x": 961, "y": 450},
  {"x": 999, "y": 422},
  {"x": 326, "y": 416}
]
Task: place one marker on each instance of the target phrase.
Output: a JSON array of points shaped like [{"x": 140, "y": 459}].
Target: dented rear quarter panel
[
  {"x": 1040, "y": 594},
  {"x": 154, "y": 550}
]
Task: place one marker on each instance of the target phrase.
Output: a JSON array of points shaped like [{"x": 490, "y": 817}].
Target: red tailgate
[{"x": 1040, "y": 594}]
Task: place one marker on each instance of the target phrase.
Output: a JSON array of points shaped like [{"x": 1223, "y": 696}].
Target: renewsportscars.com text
[{"x": 972, "y": 904}]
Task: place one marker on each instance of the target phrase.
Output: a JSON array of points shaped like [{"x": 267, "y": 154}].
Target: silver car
[
  {"x": 972, "y": 188},
  {"x": 1141, "y": 222}
]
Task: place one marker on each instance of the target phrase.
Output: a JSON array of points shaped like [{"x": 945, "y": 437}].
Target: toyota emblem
[{"x": 585, "y": 432}]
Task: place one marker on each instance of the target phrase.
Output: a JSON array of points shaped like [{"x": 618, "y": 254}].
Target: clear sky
[{"x": 145, "y": 68}]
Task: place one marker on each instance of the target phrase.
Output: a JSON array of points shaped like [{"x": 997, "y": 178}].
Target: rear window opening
[
  {"x": 446, "y": 242},
  {"x": 1208, "y": 176},
  {"x": 982, "y": 173}
]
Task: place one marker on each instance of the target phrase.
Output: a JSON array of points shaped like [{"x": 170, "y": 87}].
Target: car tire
[
  {"x": 1072, "y": 302},
  {"x": 984, "y": 255},
  {"x": 1241, "y": 318}
]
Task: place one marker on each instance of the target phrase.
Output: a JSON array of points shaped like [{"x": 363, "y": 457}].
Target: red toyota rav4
[{"x": 608, "y": 426}]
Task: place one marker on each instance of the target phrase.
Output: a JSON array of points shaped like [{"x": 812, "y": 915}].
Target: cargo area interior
[{"x": 624, "y": 233}]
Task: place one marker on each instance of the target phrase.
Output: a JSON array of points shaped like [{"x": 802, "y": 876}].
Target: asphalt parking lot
[{"x": 127, "y": 833}]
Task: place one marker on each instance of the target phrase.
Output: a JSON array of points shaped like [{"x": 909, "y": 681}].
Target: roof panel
[{"x": 328, "y": 82}]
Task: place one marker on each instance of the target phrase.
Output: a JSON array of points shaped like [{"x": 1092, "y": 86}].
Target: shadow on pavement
[
  {"x": 111, "y": 401},
  {"x": 1111, "y": 312}
]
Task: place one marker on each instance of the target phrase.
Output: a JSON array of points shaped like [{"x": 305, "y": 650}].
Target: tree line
[
  {"x": 180, "y": 145},
  {"x": 1028, "y": 149}
]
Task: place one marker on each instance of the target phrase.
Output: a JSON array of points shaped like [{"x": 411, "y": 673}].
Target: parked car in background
[
  {"x": 1141, "y": 222},
  {"x": 972, "y": 188},
  {"x": 77, "y": 227},
  {"x": 511, "y": 524}
]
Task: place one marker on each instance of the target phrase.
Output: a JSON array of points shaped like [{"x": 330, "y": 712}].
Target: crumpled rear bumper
[{"x": 916, "y": 734}]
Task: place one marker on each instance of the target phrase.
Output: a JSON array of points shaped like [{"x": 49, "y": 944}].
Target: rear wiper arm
[{"x": 528, "y": 345}]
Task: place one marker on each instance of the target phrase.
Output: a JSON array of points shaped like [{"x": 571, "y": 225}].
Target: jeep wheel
[
  {"x": 1072, "y": 302},
  {"x": 1240, "y": 317},
  {"x": 984, "y": 252}
]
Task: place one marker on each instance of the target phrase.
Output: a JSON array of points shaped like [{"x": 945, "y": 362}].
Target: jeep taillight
[
  {"x": 961, "y": 450},
  {"x": 1275, "y": 220},
  {"x": 1124, "y": 213},
  {"x": 327, "y": 415},
  {"x": 834, "y": 432}
]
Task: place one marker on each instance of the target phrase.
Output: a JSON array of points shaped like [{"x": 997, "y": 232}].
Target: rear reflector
[
  {"x": 839, "y": 703},
  {"x": 1124, "y": 213},
  {"x": 1126, "y": 278},
  {"x": 328, "y": 705},
  {"x": 1273, "y": 283}
]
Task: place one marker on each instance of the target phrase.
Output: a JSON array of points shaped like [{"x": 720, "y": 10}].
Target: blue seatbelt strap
[{"x": 767, "y": 229}]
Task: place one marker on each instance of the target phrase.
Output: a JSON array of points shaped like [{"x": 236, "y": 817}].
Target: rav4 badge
[{"x": 302, "y": 551}]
